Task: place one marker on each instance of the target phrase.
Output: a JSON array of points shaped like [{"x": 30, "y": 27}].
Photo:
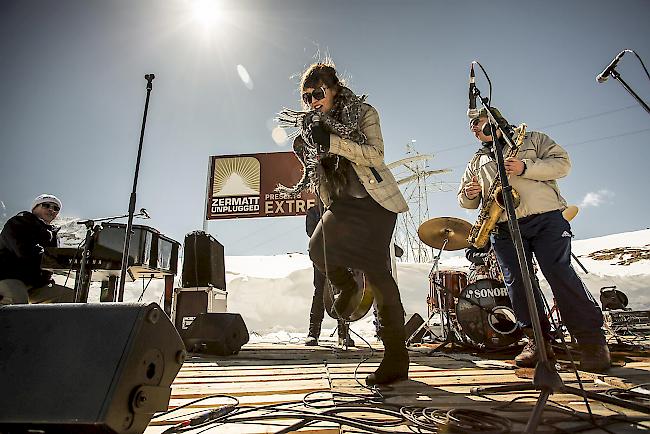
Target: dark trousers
[
  {"x": 317, "y": 312},
  {"x": 548, "y": 236}
]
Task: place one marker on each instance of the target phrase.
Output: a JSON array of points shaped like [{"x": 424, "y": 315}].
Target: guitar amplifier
[{"x": 628, "y": 322}]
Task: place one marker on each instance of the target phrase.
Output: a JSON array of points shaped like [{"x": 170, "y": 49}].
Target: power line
[
  {"x": 587, "y": 117},
  {"x": 596, "y": 139},
  {"x": 570, "y": 121}
]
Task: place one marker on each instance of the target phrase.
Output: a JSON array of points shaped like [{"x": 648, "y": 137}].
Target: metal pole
[
  {"x": 207, "y": 196},
  {"x": 129, "y": 225}
]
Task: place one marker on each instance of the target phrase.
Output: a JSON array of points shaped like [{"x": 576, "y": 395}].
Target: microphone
[
  {"x": 472, "y": 112},
  {"x": 144, "y": 213},
  {"x": 603, "y": 76}
]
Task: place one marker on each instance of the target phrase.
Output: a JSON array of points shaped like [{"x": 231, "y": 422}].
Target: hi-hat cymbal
[
  {"x": 434, "y": 232},
  {"x": 570, "y": 212}
]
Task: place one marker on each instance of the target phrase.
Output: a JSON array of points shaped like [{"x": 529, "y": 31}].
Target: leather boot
[
  {"x": 395, "y": 364},
  {"x": 529, "y": 356},
  {"x": 344, "y": 335},
  {"x": 595, "y": 358},
  {"x": 314, "y": 334}
]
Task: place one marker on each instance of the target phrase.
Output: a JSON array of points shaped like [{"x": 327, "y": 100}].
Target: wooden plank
[{"x": 274, "y": 374}]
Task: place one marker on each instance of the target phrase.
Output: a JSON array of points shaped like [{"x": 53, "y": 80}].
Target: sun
[{"x": 207, "y": 13}]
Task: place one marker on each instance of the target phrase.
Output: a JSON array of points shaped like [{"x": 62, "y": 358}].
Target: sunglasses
[
  {"x": 51, "y": 206},
  {"x": 475, "y": 122},
  {"x": 317, "y": 94}
]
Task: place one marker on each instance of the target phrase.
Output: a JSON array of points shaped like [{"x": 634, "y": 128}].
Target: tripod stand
[
  {"x": 442, "y": 233},
  {"x": 546, "y": 378}
]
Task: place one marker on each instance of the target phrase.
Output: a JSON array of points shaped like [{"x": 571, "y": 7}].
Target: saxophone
[{"x": 494, "y": 205}]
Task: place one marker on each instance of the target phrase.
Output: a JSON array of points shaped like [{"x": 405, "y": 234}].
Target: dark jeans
[
  {"x": 548, "y": 236},
  {"x": 317, "y": 312}
]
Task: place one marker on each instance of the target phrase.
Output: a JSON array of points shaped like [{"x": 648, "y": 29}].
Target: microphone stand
[
  {"x": 546, "y": 378},
  {"x": 129, "y": 225},
  {"x": 614, "y": 73}
]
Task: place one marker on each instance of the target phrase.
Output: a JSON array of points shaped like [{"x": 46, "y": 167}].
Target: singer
[
  {"x": 362, "y": 201},
  {"x": 533, "y": 173}
]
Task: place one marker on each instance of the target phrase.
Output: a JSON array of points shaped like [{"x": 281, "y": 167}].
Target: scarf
[{"x": 343, "y": 120}]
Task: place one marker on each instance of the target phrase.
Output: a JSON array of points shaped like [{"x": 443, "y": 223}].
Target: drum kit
[{"x": 478, "y": 315}]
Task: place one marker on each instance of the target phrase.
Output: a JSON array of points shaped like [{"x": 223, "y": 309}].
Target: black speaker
[
  {"x": 412, "y": 325},
  {"x": 221, "y": 334},
  {"x": 203, "y": 264},
  {"x": 85, "y": 368}
]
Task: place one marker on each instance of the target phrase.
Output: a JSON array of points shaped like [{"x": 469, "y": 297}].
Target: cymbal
[
  {"x": 434, "y": 232},
  {"x": 570, "y": 212}
]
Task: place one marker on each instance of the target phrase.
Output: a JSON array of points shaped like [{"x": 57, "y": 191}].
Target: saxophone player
[{"x": 533, "y": 171}]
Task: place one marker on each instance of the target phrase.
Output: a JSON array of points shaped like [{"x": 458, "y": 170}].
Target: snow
[{"x": 273, "y": 293}]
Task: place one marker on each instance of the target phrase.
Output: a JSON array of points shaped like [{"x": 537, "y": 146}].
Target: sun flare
[{"x": 207, "y": 13}]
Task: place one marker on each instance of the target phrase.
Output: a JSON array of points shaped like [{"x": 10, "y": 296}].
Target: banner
[{"x": 242, "y": 186}]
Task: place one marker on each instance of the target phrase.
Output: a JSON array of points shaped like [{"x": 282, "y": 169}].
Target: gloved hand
[
  {"x": 38, "y": 249},
  {"x": 321, "y": 137}
]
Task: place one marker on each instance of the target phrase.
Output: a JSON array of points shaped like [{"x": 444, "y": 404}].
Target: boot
[
  {"x": 395, "y": 364},
  {"x": 314, "y": 334},
  {"x": 595, "y": 358},
  {"x": 342, "y": 305},
  {"x": 528, "y": 357},
  {"x": 344, "y": 335}
]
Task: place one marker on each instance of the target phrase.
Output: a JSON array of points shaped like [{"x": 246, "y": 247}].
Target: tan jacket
[
  {"x": 545, "y": 162},
  {"x": 366, "y": 159}
]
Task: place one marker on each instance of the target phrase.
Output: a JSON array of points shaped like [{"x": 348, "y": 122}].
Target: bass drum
[
  {"x": 362, "y": 298},
  {"x": 485, "y": 315}
]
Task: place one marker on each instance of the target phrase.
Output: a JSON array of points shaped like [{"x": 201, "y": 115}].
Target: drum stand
[
  {"x": 546, "y": 379},
  {"x": 446, "y": 331}
]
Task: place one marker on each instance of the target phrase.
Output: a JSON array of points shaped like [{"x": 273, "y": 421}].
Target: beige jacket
[
  {"x": 545, "y": 162},
  {"x": 368, "y": 163}
]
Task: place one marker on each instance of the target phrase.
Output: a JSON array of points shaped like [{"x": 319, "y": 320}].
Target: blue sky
[{"x": 72, "y": 86}]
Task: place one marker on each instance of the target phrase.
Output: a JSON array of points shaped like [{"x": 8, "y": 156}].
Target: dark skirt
[{"x": 357, "y": 235}]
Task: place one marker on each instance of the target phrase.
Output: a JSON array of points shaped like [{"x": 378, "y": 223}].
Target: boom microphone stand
[
  {"x": 611, "y": 70},
  {"x": 129, "y": 225},
  {"x": 546, "y": 378}
]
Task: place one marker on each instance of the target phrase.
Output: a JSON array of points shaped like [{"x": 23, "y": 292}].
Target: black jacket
[{"x": 21, "y": 248}]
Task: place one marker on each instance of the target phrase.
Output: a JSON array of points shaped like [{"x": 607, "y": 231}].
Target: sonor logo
[{"x": 487, "y": 292}]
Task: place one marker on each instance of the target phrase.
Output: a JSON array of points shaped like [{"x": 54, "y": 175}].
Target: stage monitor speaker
[
  {"x": 221, "y": 334},
  {"x": 412, "y": 325},
  {"x": 190, "y": 302},
  {"x": 85, "y": 368},
  {"x": 203, "y": 264}
]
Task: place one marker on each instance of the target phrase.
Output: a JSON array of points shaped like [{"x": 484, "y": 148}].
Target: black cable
[
  {"x": 144, "y": 288},
  {"x": 218, "y": 395},
  {"x": 642, "y": 64}
]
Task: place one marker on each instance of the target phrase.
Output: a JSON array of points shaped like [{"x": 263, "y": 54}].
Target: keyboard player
[{"x": 22, "y": 243}]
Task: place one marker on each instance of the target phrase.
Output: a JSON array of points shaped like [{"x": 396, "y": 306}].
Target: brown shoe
[
  {"x": 529, "y": 356},
  {"x": 595, "y": 358}
]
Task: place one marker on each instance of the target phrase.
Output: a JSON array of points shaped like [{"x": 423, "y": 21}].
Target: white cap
[{"x": 46, "y": 198}]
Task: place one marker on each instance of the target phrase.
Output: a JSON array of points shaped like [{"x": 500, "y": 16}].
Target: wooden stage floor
[{"x": 283, "y": 374}]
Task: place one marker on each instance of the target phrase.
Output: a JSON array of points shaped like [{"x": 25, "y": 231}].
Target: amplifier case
[{"x": 203, "y": 264}]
